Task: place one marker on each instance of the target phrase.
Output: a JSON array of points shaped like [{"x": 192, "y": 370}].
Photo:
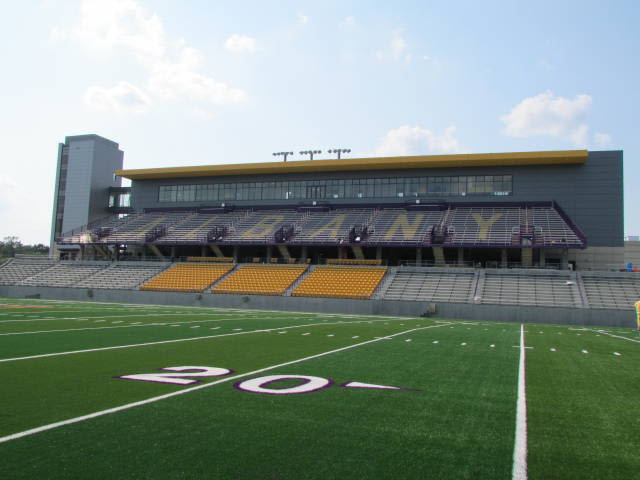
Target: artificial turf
[{"x": 455, "y": 420}]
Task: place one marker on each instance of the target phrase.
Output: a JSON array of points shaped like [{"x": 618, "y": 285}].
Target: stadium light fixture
[
  {"x": 311, "y": 153},
  {"x": 284, "y": 154},
  {"x": 340, "y": 151}
]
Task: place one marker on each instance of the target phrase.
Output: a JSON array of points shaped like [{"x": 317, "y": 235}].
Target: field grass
[{"x": 65, "y": 413}]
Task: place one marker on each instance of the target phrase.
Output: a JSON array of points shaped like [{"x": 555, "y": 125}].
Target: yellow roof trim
[{"x": 354, "y": 164}]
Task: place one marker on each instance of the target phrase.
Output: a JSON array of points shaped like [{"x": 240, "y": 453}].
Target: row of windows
[{"x": 343, "y": 188}]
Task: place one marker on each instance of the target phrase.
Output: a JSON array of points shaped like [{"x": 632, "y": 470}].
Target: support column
[
  {"x": 269, "y": 253},
  {"x": 527, "y": 257},
  {"x": 303, "y": 254},
  {"x": 460, "y": 256},
  {"x": 543, "y": 257},
  {"x": 418, "y": 256},
  {"x": 82, "y": 252},
  {"x": 564, "y": 262},
  {"x": 235, "y": 253},
  {"x": 203, "y": 251},
  {"x": 216, "y": 250},
  {"x": 504, "y": 258},
  {"x": 438, "y": 255},
  {"x": 173, "y": 251},
  {"x": 341, "y": 252},
  {"x": 378, "y": 253},
  {"x": 284, "y": 252}
]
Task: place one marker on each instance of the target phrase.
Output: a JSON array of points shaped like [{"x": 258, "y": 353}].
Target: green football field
[{"x": 136, "y": 391}]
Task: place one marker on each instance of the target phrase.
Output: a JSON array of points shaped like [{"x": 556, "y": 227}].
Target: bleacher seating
[
  {"x": 134, "y": 228},
  {"x": 124, "y": 277},
  {"x": 188, "y": 277},
  {"x": 483, "y": 225},
  {"x": 553, "y": 229},
  {"x": 527, "y": 289},
  {"x": 341, "y": 282},
  {"x": 13, "y": 272},
  {"x": 261, "y": 279},
  {"x": 399, "y": 226},
  {"x": 63, "y": 274},
  {"x": 195, "y": 228},
  {"x": 331, "y": 227},
  {"x": 260, "y": 226},
  {"x": 619, "y": 292},
  {"x": 352, "y": 261},
  {"x": 453, "y": 287}
]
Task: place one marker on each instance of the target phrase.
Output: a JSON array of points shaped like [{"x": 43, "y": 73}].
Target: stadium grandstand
[{"x": 539, "y": 229}]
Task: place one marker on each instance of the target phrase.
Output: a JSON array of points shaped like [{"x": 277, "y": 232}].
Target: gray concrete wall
[
  {"x": 500, "y": 313},
  {"x": 591, "y": 194},
  {"x": 632, "y": 253}
]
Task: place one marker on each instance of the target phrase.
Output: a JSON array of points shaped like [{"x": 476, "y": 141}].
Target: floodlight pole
[
  {"x": 284, "y": 154},
  {"x": 340, "y": 151},
  {"x": 310, "y": 153}
]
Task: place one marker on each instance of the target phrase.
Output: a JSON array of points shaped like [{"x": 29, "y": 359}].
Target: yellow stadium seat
[{"x": 260, "y": 280}]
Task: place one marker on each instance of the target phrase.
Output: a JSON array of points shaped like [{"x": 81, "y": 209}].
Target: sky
[{"x": 203, "y": 82}]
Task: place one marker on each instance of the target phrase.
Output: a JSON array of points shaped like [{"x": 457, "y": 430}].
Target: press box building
[{"x": 554, "y": 208}]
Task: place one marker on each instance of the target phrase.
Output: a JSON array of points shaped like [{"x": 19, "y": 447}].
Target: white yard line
[
  {"x": 48, "y": 319},
  {"x": 127, "y": 406},
  {"x": 617, "y": 336},
  {"x": 119, "y": 326},
  {"x": 519, "y": 471},
  {"x": 100, "y": 349}
]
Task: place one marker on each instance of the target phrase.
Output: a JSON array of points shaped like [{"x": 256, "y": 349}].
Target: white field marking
[
  {"x": 136, "y": 324},
  {"x": 435, "y": 341},
  {"x": 118, "y": 321},
  {"x": 619, "y": 336},
  {"x": 127, "y": 406},
  {"x": 331, "y": 335},
  {"x": 408, "y": 340},
  {"x": 237, "y": 329},
  {"x": 173, "y": 341},
  {"x": 519, "y": 471},
  {"x": 195, "y": 326},
  {"x": 463, "y": 344},
  {"x": 584, "y": 351},
  {"x": 306, "y": 334},
  {"x": 492, "y": 345},
  {"x": 107, "y": 317},
  {"x": 98, "y": 321},
  {"x": 617, "y": 354},
  {"x": 356, "y": 336},
  {"x": 214, "y": 328},
  {"x": 552, "y": 349}
]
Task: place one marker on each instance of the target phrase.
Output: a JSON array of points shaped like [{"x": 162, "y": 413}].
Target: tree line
[{"x": 9, "y": 246}]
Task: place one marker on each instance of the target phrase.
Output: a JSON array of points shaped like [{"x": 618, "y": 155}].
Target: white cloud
[
  {"x": 546, "y": 114},
  {"x": 240, "y": 44},
  {"x": 602, "y": 139},
  {"x": 303, "y": 19},
  {"x": 122, "y": 98},
  {"x": 172, "y": 68},
  {"x": 348, "y": 23},
  {"x": 397, "y": 49},
  {"x": 414, "y": 140},
  {"x": 11, "y": 195}
]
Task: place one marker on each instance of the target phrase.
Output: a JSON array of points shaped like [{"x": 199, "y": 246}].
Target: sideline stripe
[
  {"x": 617, "y": 336},
  {"x": 49, "y": 319},
  {"x": 70, "y": 421},
  {"x": 100, "y": 349},
  {"x": 118, "y": 326},
  {"x": 520, "y": 446}
]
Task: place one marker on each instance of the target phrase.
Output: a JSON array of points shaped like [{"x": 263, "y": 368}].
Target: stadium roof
[{"x": 354, "y": 164}]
